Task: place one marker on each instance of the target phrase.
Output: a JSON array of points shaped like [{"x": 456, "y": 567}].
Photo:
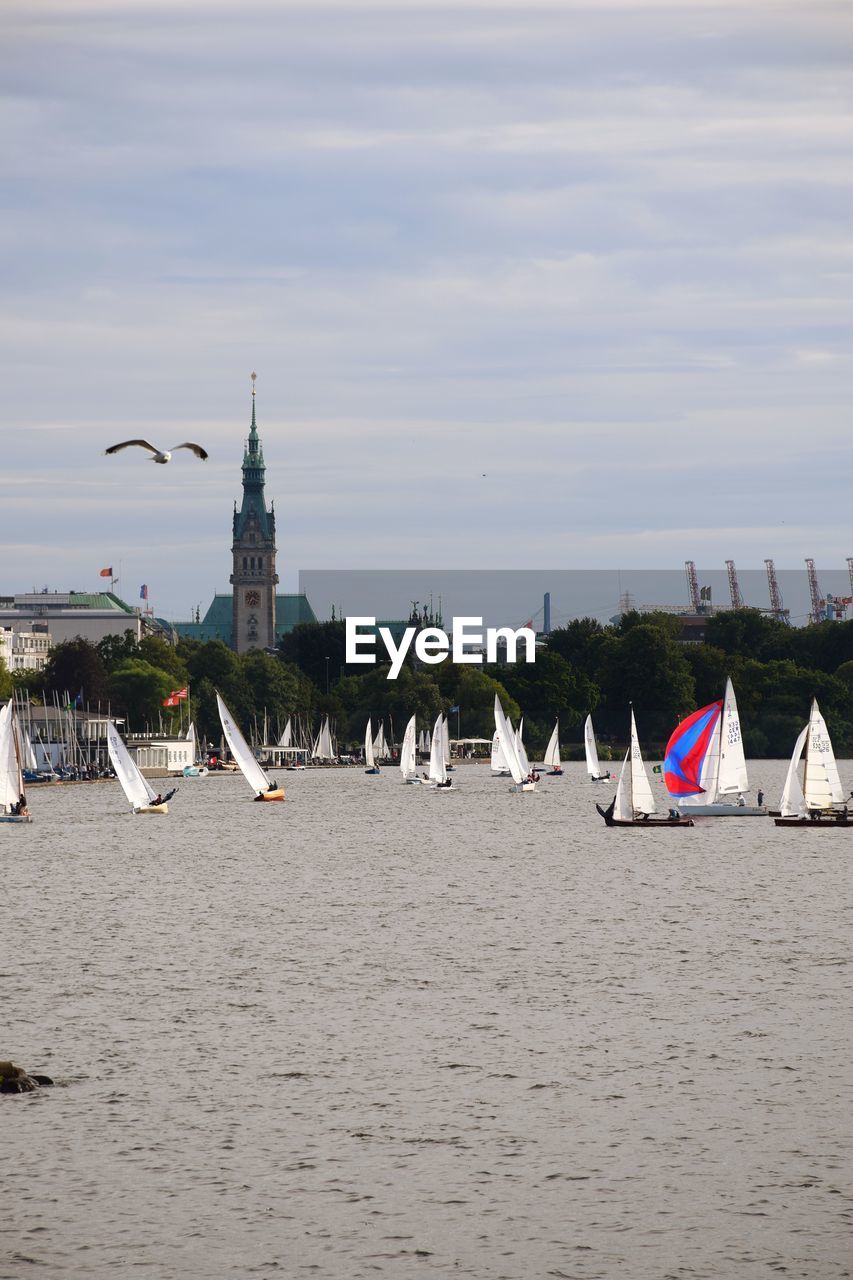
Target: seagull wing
[
  {"x": 125, "y": 444},
  {"x": 188, "y": 444}
]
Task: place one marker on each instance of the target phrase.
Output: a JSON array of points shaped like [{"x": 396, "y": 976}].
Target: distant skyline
[{"x": 556, "y": 286}]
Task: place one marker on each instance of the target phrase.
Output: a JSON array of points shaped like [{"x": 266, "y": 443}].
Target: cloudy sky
[{"x": 564, "y": 284}]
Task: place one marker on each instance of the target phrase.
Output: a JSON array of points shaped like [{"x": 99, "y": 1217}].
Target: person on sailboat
[
  {"x": 273, "y": 786},
  {"x": 760, "y": 797}
]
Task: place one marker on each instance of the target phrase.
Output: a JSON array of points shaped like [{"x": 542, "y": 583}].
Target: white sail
[
  {"x": 11, "y": 784},
  {"x": 191, "y": 740},
  {"x": 28, "y": 756},
  {"x": 732, "y": 775},
  {"x": 323, "y": 748},
  {"x": 428, "y": 743},
  {"x": 793, "y": 802},
  {"x": 821, "y": 783},
  {"x": 507, "y": 738},
  {"x": 445, "y": 737},
  {"x": 552, "y": 751},
  {"x": 519, "y": 746},
  {"x": 138, "y": 790},
  {"x": 407, "y": 751},
  {"x": 623, "y": 805},
  {"x": 437, "y": 770},
  {"x": 641, "y": 792},
  {"x": 286, "y": 739},
  {"x": 593, "y": 768},
  {"x": 422, "y": 747},
  {"x": 241, "y": 751},
  {"x": 499, "y": 760},
  {"x": 369, "y": 758}
]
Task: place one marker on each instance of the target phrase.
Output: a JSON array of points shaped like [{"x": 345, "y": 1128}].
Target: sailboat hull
[
  {"x": 375, "y": 769},
  {"x": 265, "y": 796},
  {"x": 152, "y": 808},
  {"x": 821, "y": 822},
  {"x": 726, "y": 811},
  {"x": 15, "y": 817},
  {"x": 610, "y": 821},
  {"x": 554, "y": 773}
]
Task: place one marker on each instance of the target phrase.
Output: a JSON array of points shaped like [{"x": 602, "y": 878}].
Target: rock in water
[{"x": 15, "y": 1080}]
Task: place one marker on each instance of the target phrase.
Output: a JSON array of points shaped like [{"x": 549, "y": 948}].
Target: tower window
[
  {"x": 245, "y": 563},
  {"x": 252, "y": 562},
  {"x": 260, "y": 562}
]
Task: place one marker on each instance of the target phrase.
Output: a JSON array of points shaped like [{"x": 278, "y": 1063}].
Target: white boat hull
[
  {"x": 720, "y": 810},
  {"x": 15, "y": 817},
  {"x": 152, "y": 808}
]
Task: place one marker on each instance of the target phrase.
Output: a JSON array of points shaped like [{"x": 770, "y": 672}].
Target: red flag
[
  {"x": 106, "y": 573},
  {"x": 171, "y": 701}
]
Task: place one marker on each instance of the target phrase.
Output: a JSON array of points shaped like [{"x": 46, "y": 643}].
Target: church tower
[{"x": 253, "y": 550}]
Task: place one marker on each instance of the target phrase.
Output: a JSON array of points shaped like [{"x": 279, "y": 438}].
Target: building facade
[
  {"x": 254, "y": 615},
  {"x": 253, "y": 574}
]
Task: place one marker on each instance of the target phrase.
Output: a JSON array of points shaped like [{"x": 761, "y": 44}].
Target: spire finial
[{"x": 253, "y": 376}]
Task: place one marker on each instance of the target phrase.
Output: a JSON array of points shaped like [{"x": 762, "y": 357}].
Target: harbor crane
[
  {"x": 817, "y": 614},
  {"x": 780, "y": 613},
  {"x": 734, "y": 586},
  {"x": 693, "y": 585}
]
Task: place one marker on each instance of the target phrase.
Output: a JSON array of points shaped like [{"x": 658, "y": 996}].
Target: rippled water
[{"x": 379, "y": 1030}]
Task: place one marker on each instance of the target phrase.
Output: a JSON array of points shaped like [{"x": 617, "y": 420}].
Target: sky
[{"x": 557, "y": 285}]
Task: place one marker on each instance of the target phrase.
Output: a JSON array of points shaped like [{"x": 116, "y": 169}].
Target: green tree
[
  {"x": 648, "y": 668},
  {"x": 115, "y": 649},
  {"x": 318, "y": 649},
  {"x": 76, "y": 667},
  {"x": 137, "y": 689},
  {"x": 6, "y": 685},
  {"x": 549, "y": 688},
  {"x": 749, "y": 633},
  {"x": 580, "y": 642}
]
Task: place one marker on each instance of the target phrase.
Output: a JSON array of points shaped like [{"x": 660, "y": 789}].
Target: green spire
[{"x": 253, "y": 481}]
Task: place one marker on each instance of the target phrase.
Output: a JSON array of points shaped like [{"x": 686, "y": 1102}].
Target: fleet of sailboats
[{"x": 704, "y": 769}]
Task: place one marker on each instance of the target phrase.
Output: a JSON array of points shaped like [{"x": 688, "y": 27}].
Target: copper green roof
[
  {"x": 254, "y": 470},
  {"x": 217, "y": 624}
]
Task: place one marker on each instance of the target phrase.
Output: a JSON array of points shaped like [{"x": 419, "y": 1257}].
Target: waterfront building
[
  {"x": 69, "y": 615},
  {"x": 24, "y": 650}
]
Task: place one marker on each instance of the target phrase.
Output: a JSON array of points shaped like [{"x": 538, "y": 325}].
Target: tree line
[{"x": 584, "y": 667}]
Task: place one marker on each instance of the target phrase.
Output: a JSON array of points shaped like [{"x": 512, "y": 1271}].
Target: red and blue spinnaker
[{"x": 688, "y": 749}]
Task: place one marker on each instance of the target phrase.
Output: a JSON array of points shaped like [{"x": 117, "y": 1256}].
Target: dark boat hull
[
  {"x": 656, "y": 823},
  {"x": 827, "y": 823}
]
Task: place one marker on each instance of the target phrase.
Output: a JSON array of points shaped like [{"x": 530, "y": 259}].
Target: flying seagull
[{"x": 157, "y": 454}]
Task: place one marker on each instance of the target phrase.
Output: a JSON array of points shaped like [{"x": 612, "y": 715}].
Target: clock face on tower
[{"x": 253, "y": 599}]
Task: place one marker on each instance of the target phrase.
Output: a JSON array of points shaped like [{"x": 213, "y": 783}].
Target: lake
[{"x": 378, "y": 1030}]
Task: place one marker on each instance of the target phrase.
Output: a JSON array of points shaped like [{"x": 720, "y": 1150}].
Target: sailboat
[
  {"x": 521, "y": 779},
  {"x": 242, "y": 753},
  {"x": 500, "y": 768},
  {"x": 381, "y": 749},
  {"x": 522, "y": 753},
  {"x": 369, "y": 757},
  {"x": 437, "y": 766},
  {"x": 634, "y": 804},
  {"x": 408, "y": 759},
  {"x": 704, "y": 762},
  {"x": 552, "y": 754},
  {"x": 13, "y": 803},
  {"x": 194, "y": 770},
  {"x": 138, "y": 790},
  {"x": 593, "y": 768},
  {"x": 811, "y": 803},
  {"x": 445, "y": 738},
  {"x": 323, "y": 748}
]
